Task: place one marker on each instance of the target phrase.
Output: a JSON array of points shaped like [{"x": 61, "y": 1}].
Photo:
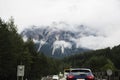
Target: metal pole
[
  {"x": 109, "y": 78},
  {"x": 17, "y": 78},
  {"x": 22, "y": 77}
]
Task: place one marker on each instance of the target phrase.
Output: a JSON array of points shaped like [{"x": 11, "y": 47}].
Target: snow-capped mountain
[{"x": 58, "y": 39}]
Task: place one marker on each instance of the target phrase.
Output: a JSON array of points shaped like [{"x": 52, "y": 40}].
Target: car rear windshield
[
  {"x": 67, "y": 70},
  {"x": 80, "y": 71}
]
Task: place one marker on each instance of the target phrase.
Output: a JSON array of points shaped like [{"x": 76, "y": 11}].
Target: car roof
[{"x": 80, "y": 69}]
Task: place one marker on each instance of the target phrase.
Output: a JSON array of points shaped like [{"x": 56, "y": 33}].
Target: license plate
[{"x": 80, "y": 79}]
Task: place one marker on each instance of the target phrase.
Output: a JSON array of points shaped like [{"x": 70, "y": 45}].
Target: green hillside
[{"x": 99, "y": 60}]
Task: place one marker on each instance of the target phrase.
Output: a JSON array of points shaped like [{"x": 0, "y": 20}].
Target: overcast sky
[{"x": 103, "y": 15}]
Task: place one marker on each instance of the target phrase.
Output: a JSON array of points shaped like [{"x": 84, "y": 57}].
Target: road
[{"x": 50, "y": 78}]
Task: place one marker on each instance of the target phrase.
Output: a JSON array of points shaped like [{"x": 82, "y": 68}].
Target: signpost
[
  {"x": 20, "y": 71},
  {"x": 109, "y": 73}
]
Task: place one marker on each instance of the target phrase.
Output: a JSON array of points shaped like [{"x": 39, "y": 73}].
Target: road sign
[
  {"x": 109, "y": 72},
  {"x": 20, "y": 70}
]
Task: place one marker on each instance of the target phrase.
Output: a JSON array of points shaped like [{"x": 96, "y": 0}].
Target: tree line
[
  {"x": 14, "y": 51},
  {"x": 98, "y": 60}
]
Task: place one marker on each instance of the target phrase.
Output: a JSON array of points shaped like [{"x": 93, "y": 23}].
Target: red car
[{"x": 80, "y": 74}]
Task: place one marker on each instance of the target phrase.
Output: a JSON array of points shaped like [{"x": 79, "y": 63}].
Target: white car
[{"x": 55, "y": 77}]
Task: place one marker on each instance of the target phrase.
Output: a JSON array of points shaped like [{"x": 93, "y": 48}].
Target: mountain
[{"x": 59, "y": 39}]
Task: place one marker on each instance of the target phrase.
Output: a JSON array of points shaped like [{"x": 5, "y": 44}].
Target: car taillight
[
  {"x": 90, "y": 77},
  {"x": 70, "y": 76}
]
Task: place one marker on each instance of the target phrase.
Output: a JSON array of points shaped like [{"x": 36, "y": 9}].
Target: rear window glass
[
  {"x": 67, "y": 70},
  {"x": 80, "y": 71}
]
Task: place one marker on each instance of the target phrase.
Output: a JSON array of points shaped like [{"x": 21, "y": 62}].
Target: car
[
  {"x": 80, "y": 74},
  {"x": 55, "y": 77}
]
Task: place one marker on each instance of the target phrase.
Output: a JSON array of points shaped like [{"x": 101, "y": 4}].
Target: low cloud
[
  {"x": 91, "y": 42},
  {"x": 60, "y": 44},
  {"x": 98, "y": 42}
]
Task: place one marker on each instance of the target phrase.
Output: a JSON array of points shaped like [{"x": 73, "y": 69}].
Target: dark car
[{"x": 80, "y": 74}]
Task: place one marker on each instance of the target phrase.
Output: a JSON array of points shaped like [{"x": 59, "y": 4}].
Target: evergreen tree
[{"x": 11, "y": 50}]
